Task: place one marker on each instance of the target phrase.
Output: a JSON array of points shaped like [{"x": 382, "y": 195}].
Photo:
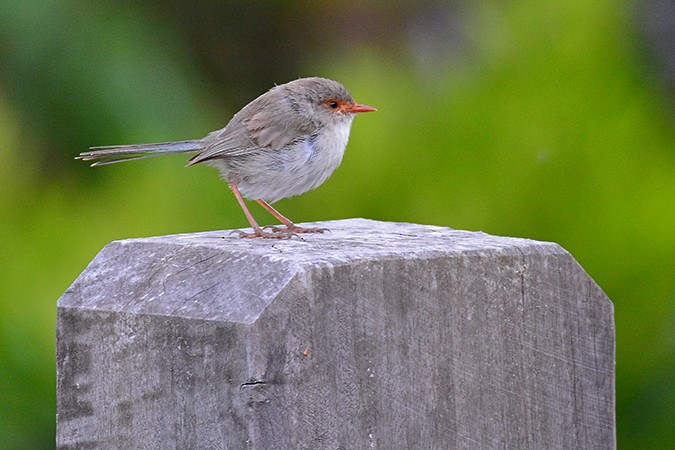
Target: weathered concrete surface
[{"x": 376, "y": 335}]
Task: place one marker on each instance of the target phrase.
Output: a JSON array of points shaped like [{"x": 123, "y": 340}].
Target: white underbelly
[{"x": 276, "y": 174}]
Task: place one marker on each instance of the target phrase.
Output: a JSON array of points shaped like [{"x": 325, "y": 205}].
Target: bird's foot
[
  {"x": 294, "y": 229},
  {"x": 277, "y": 232},
  {"x": 264, "y": 234}
]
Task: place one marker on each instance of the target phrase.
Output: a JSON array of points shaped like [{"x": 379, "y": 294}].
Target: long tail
[{"x": 118, "y": 153}]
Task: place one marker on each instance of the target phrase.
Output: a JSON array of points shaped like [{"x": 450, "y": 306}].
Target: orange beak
[{"x": 356, "y": 108}]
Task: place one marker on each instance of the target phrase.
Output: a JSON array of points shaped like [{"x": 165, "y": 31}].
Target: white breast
[{"x": 295, "y": 169}]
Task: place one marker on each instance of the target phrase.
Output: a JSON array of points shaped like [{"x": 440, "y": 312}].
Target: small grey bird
[{"x": 284, "y": 143}]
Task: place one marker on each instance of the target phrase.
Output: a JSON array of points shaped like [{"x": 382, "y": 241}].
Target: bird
[{"x": 284, "y": 143}]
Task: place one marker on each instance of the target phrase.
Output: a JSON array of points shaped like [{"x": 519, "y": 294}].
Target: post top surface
[
  {"x": 352, "y": 239},
  {"x": 216, "y": 275}
]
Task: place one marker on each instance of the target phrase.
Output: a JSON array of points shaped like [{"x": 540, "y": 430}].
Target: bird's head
[{"x": 323, "y": 100}]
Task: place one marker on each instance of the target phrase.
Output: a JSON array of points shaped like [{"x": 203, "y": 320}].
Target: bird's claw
[
  {"x": 277, "y": 232},
  {"x": 283, "y": 234},
  {"x": 294, "y": 229}
]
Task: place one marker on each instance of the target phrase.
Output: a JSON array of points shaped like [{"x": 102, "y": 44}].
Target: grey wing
[
  {"x": 265, "y": 129},
  {"x": 231, "y": 141}
]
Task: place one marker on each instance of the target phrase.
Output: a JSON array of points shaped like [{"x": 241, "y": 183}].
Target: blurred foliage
[{"x": 535, "y": 119}]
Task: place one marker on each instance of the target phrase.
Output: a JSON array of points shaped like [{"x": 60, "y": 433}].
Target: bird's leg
[
  {"x": 257, "y": 231},
  {"x": 290, "y": 226}
]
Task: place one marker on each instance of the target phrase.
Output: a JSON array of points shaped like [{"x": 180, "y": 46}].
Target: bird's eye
[{"x": 332, "y": 104}]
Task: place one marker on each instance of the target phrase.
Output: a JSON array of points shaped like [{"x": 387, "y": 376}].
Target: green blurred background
[{"x": 552, "y": 120}]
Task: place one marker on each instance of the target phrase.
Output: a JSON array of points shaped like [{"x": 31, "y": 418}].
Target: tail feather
[{"x": 111, "y": 154}]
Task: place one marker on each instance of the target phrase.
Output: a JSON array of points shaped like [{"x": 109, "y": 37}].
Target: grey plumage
[
  {"x": 110, "y": 154},
  {"x": 284, "y": 143}
]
